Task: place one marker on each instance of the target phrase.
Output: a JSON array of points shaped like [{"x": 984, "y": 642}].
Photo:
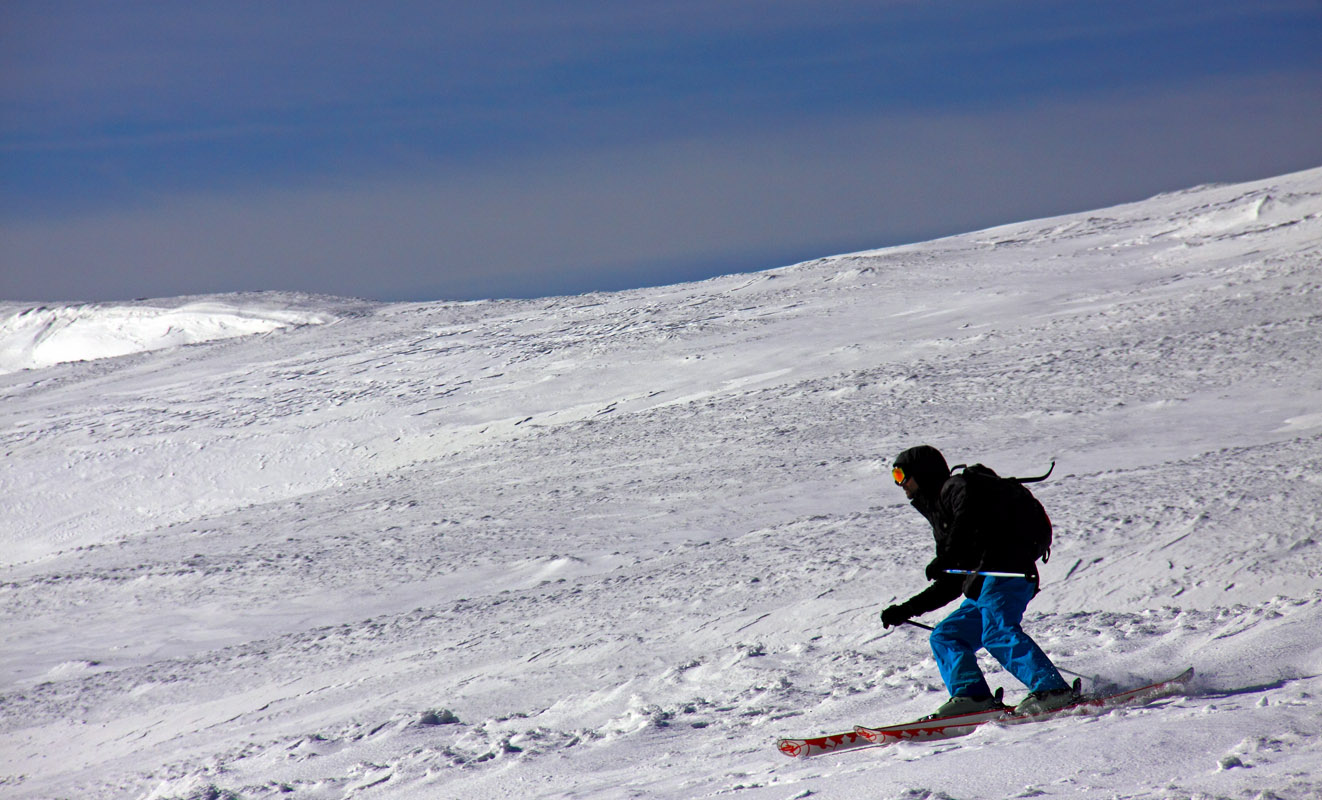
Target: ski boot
[{"x": 960, "y": 704}]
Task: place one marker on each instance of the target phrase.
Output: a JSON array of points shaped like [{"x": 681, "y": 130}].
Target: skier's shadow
[{"x": 1221, "y": 694}]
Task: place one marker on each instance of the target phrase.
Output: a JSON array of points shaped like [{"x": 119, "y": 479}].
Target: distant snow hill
[{"x": 43, "y": 336}]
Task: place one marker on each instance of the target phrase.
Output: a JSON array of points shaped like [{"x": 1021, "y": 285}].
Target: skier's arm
[
  {"x": 933, "y": 597},
  {"x": 938, "y": 594}
]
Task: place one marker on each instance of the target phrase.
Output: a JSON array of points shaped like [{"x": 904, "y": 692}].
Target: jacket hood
[{"x": 926, "y": 464}]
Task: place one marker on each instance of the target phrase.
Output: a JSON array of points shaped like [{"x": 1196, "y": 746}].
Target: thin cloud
[{"x": 550, "y": 225}]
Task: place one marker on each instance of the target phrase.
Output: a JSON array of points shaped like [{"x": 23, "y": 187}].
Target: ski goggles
[{"x": 898, "y": 474}]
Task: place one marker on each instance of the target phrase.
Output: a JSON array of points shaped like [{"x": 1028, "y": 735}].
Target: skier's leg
[
  {"x": 1002, "y": 605},
  {"x": 955, "y": 643}
]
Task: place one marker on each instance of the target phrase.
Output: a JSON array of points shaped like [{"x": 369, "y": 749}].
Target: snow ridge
[{"x": 42, "y": 336}]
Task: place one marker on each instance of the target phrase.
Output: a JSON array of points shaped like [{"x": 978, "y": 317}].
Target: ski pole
[{"x": 989, "y": 574}]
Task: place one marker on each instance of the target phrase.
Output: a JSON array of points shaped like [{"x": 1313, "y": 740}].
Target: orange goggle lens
[{"x": 898, "y": 475}]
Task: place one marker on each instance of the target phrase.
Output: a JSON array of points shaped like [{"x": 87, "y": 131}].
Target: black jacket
[{"x": 971, "y": 529}]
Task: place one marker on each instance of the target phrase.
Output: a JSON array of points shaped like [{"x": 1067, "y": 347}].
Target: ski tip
[{"x": 791, "y": 748}]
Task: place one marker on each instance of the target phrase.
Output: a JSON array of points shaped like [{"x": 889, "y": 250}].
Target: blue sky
[{"x": 437, "y": 150}]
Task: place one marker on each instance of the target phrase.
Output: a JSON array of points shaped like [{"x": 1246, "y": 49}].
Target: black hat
[{"x": 927, "y": 466}]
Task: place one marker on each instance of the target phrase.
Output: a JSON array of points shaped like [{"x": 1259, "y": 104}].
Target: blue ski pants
[{"x": 992, "y": 622}]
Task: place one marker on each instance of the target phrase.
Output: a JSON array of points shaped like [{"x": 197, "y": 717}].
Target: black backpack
[{"x": 1020, "y": 510}]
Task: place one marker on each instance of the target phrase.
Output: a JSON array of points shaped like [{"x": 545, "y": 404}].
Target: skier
[{"x": 971, "y": 536}]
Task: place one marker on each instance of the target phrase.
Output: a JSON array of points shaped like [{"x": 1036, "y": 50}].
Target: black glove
[
  {"x": 894, "y": 615},
  {"x": 936, "y": 570}
]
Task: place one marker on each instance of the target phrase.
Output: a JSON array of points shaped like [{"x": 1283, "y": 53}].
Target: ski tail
[{"x": 1088, "y": 703}]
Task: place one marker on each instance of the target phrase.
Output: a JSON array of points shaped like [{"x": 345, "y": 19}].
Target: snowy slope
[{"x": 615, "y": 545}]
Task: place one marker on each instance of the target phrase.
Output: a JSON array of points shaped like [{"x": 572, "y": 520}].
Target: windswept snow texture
[
  {"x": 42, "y": 336},
  {"x": 616, "y": 545}
]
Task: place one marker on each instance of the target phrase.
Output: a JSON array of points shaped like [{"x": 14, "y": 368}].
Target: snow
[
  {"x": 41, "y": 336},
  {"x": 615, "y": 545}
]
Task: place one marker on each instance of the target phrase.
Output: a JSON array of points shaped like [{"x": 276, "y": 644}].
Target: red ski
[
  {"x": 963, "y": 724},
  {"x": 939, "y": 728}
]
